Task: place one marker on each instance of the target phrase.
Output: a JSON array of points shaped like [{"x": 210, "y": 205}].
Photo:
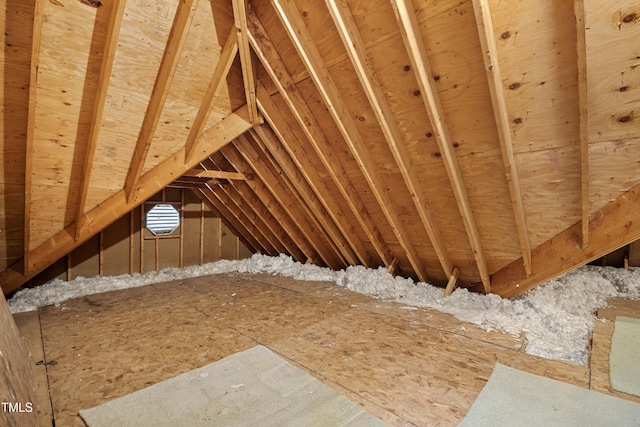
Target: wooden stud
[
  {"x": 392, "y": 267},
  {"x": 201, "y": 229},
  {"x": 168, "y": 66},
  {"x": 278, "y": 72},
  {"x": 131, "y": 244},
  {"x": 355, "y": 47},
  {"x": 108, "y": 55},
  {"x": 142, "y": 239},
  {"x": 248, "y": 70},
  {"x": 304, "y": 173},
  {"x": 38, "y": 20},
  {"x": 232, "y": 214},
  {"x": 181, "y": 250},
  {"x": 414, "y": 45},
  {"x": 492, "y": 67},
  {"x": 452, "y": 283},
  {"x": 227, "y": 55},
  {"x": 240, "y": 232},
  {"x": 581, "y": 45}
]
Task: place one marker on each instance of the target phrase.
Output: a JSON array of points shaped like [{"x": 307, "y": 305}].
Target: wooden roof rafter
[
  {"x": 272, "y": 193},
  {"x": 161, "y": 87},
  {"x": 240, "y": 8},
  {"x": 305, "y": 205},
  {"x": 108, "y": 55},
  {"x": 298, "y": 106},
  {"x": 314, "y": 192},
  {"x": 298, "y": 33},
  {"x": 581, "y": 46},
  {"x": 257, "y": 211},
  {"x": 356, "y": 49},
  {"x": 414, "y": 44},
  {"x": 492, "y": 67},
  {"x": 38, "y": 19},
  {"x": 227, "y": 55},
  {"x": 288, "y": 200}
]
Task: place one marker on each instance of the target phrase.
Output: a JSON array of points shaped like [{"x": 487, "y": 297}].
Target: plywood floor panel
[{"x": 408, "y": 367}]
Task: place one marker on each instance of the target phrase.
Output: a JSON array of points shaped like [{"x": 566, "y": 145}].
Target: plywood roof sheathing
[
  {"x": 492, "y": 66},
  {"x": 357, "y": 52},
  {"x": 111, "y": 44},
  {"x": 414, "y": 44},
  {"x": 306, "y": 48},
  {"x": 295, "y": 100},
  {"x": 227, "y": 55},
  {"x": 316, "y": 199}
]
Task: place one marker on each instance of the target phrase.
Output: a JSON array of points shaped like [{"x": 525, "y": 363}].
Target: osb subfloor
[{"x": 406, "y": 366}]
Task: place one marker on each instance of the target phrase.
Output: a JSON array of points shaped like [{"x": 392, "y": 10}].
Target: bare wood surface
[{"x": 408, "y": 367}]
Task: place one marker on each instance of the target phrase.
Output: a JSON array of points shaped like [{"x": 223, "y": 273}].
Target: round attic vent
[{"x": 162, "y": 220}]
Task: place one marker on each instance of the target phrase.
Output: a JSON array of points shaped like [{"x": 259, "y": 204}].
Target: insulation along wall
[{"x": 127, "y": 247}]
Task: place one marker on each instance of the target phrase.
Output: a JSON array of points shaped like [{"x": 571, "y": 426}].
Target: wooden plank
[
  {"x": 414, "y": 45},
  {"x": 583, "y": 105},
  {"x": 217, "y": 174},
  {"x": 301, "y": 172},
  {"x": 111, "y": 44},
  {"x": 38, "y": 20},
  {"x": 117, "y": 205},
  {"x": 356, "y": 49},
  {"x": 307, "y": 50},
  {"x": 610, "y": 228},
  {"x": 248, "y": 69},
  {"x": 28, "y": 324},
  {"x": 501, "y": 113},
  {"x": 300, "y": 227},
  {"x": 223, "y": 66},
  {"x": 162, "y": 85},
  {"x": 451, "y": 284}
]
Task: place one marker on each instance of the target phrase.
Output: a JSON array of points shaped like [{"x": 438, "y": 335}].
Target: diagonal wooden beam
[
  {"x": 117, "y": 205},
  {"x": 492, "y": 67},
  {"x": 355, "y": 47},
  {"x": 299, "y": 34},
  {"x": 111, "y": 44},
  {"x": 298, "y": 106},
  {"x": 38, "y": 20},
  {"x": 612, "y": 227},
  {"x": 271, "y": 186},
  {"x": 240, "y": 8},
  {"x": 308, "y": 184},
  {"x": 168, "y": 66},
  {"x": 414, "y": 44},
  {"x": 227, "y": 55},
  {"x": 214, "y": 174},
  {"x": 578, "y": 7}
]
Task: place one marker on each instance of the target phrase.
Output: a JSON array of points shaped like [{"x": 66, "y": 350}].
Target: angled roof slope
[{"x": 490, "y": 142}]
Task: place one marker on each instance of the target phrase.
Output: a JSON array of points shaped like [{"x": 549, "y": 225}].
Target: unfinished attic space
[{"x": 358, "y": 196}]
